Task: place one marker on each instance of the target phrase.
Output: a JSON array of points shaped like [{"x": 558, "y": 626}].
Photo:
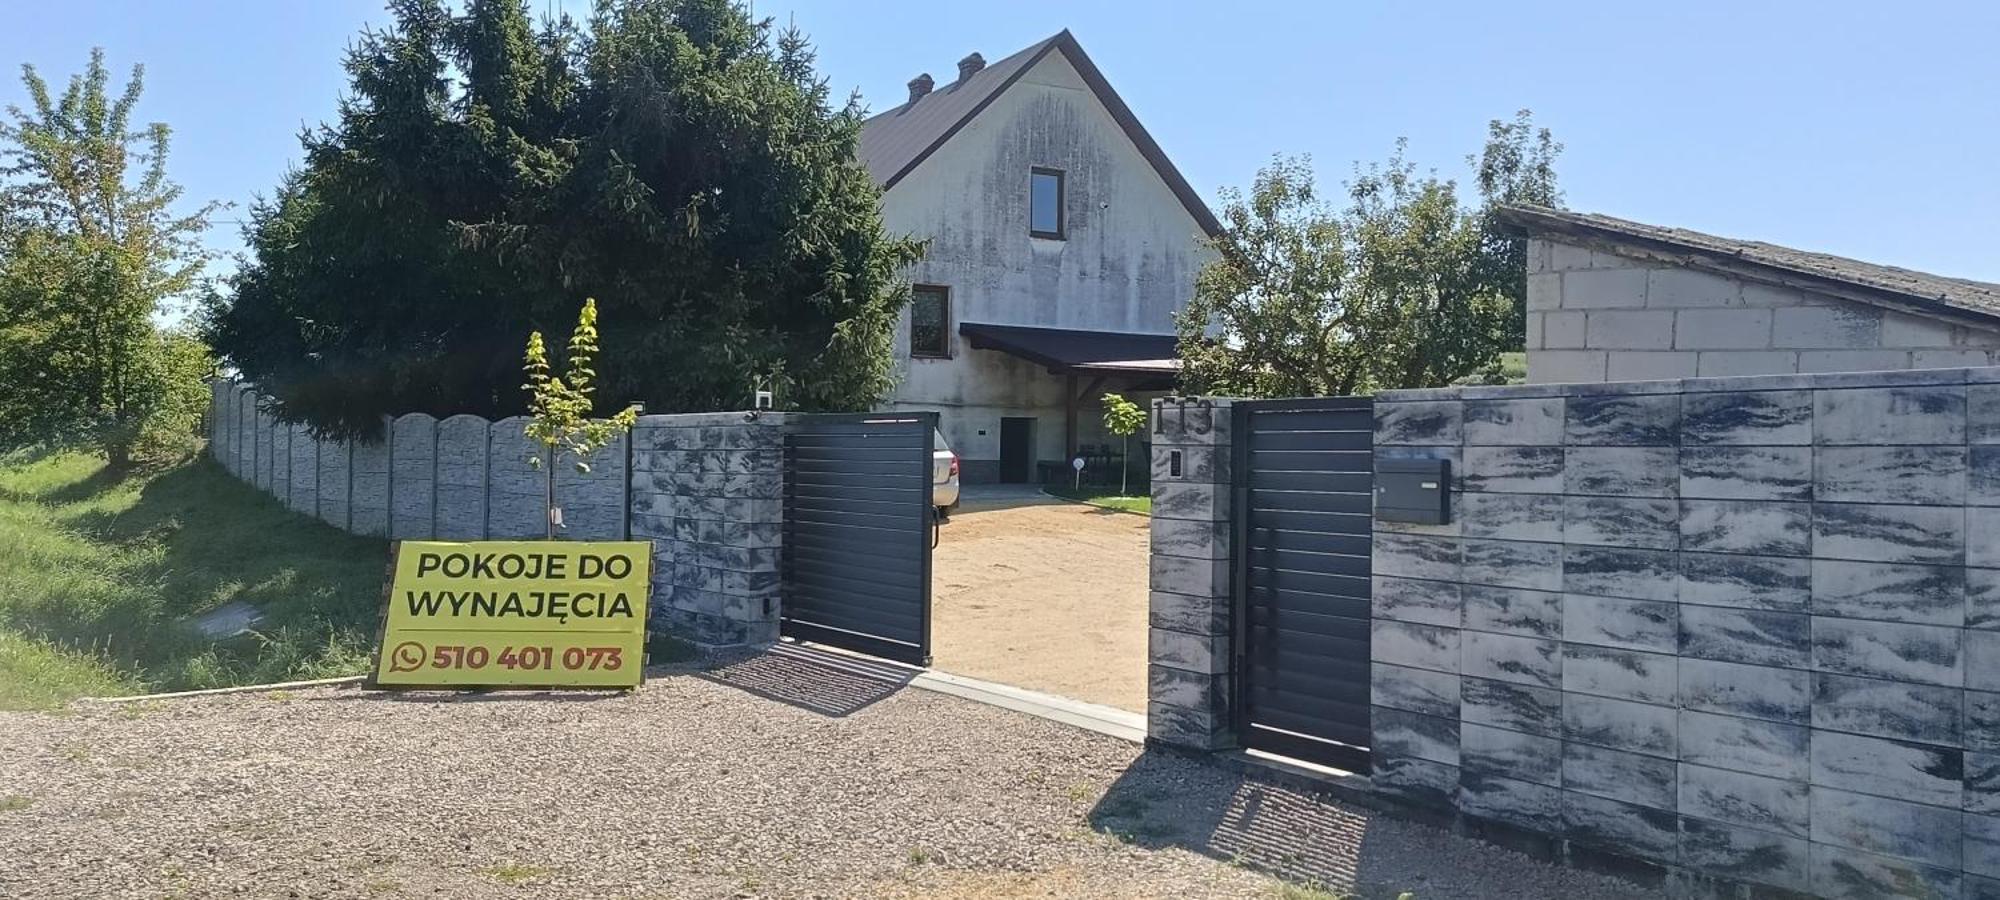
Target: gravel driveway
[
  {"x": 1043, "y": 594},
  {"x": 691, "y": 787}
]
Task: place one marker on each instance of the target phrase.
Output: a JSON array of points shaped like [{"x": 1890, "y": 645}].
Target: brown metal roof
[
  {"x": 1974, "y": 302},
  {"x": 895, "y": 142}
]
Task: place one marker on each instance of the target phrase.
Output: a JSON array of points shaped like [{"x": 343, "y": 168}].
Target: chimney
[
  {"x": 919, "y": 86},
  {"x": 970, "y": 65}
]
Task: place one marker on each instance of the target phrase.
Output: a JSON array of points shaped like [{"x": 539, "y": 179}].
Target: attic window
[{"x": 1045, "y": 203}]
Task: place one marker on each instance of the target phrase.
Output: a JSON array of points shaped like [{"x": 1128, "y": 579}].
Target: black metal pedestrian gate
[
  {"x": 857, "y": 545},
  {"x": 1304, "y": 482}
]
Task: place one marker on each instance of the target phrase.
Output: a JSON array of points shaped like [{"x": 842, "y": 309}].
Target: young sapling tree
[{"x": 559, "y": 408}]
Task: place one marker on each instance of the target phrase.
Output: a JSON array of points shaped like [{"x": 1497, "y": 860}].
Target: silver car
[{"x": 944, "y": 475}]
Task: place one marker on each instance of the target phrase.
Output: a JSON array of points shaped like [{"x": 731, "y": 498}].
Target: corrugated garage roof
[
  {"x": 1891, "y": 286},
  {"x": 895, "y": 142}
]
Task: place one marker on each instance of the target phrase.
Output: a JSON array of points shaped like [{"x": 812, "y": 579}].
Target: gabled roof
[
  {"x": 1960, "y": 299},
  {"x": 895, "y": 142}
]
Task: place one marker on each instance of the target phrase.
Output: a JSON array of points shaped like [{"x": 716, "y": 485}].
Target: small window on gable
[
  {"x": 1045, "y": 203},
  {"x": 930, "y": 321}
]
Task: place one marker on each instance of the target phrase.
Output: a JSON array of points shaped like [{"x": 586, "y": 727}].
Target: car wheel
[{"x": 944, "y": 513}]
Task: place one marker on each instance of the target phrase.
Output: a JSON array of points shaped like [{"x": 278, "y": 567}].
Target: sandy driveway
[{"x": 1043, "y": 594}]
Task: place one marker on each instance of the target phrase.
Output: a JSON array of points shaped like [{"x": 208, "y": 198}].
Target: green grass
[
  {"x": 99, "y": 574},
  {"x": 35, "y": 675},
  {"x": 1514, "y": 367},
  {"x": 1142, "y": 504}
]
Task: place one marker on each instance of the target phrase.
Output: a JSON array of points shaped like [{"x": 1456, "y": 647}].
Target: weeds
[{"x": 516, "y": 873}]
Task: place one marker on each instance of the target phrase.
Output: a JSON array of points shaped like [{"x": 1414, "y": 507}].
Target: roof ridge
[{"x": 894, "y": 142}]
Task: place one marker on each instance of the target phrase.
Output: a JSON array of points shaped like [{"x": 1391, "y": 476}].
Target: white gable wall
[{"x": 1129, "y": 261}]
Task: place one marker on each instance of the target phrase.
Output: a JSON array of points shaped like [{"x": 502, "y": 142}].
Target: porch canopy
[{"x": 1146, "y": 361}]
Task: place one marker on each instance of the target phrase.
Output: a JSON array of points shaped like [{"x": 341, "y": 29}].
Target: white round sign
[{"x": 1076, "y": 463}]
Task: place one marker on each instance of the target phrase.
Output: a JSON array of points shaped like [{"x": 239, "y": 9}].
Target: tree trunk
[
  {"x": 549, "y": 505},
  {"x": 1125, "y": 468}
]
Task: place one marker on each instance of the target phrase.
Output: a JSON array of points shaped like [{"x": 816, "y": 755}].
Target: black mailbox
[{"x": 1413, "y": 490}]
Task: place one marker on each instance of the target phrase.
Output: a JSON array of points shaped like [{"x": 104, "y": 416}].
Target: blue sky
[{"x": 1866, "y": 129}]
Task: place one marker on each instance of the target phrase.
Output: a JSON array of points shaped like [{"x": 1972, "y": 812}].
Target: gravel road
[{"x": 692, "y": 787}]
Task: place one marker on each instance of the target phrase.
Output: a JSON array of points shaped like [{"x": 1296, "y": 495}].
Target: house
[
  {"x": 1061, "y": 243},
  {"x": 1613, "y": 300}
]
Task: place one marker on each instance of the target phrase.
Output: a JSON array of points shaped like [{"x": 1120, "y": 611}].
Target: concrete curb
[{"x": 239, "y": 689}]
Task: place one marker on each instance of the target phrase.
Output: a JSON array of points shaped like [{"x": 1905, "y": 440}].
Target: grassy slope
[
  {"x": 110, "y": 568},
  {"x": 34, "y": 675}
]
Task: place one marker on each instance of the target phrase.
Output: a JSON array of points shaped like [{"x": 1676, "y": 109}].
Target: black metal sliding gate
[
  {"x": 1304, "y": 483},
  {"x": 858, "y": 519}
]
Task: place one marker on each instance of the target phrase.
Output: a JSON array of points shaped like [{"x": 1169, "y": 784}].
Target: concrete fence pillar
[
  {"x": 708, "y": 490},
  {"x": 1189, "y": 678}
]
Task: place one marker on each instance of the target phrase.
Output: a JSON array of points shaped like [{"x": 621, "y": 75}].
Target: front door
[{"x": 1017, "y": 450}]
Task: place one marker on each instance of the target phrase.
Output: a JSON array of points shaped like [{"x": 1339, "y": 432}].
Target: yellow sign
[{"x": 515, "y": 614}]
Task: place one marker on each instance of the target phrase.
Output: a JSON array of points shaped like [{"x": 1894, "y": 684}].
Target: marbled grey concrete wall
[
  {"x": 1738, "y": 628},
  {"x": 462, "y": 479},
  {"x": 708, "y": 490},
  {"x": 1188, "y": 638}
]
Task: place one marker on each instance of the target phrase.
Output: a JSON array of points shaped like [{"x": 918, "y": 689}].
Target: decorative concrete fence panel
[
  {"x": 303, "y": 490},
  {"x": 333, "y": 482},
  {"x": 218, "y": 418},
  {"x": 462, "y": 443},
  {"x": 232, "y": 431},
  {"x": 517, "y": 487},
  {"x": 262, "y": 439},
  {"x": 413, "y": 476},
  {"x": 368, "y": 488},
  {"x": 594, "y": 502},
  {"x": 226, "y": 423},
  {"x": 243, "y": 437},
  {"x": 460, "y": 479}
]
